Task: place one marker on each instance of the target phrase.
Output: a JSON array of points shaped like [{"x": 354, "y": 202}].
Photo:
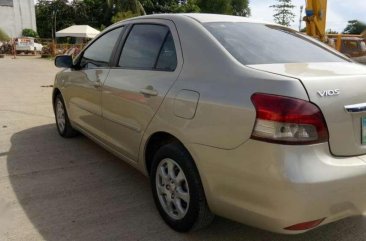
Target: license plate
[{"x": 363, "y": 133}]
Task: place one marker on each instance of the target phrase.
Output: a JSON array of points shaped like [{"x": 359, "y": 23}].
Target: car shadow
[{"x": 72, "y": 189}]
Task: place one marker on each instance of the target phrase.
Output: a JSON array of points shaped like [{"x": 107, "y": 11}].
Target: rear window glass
[{"x": 253, "y": 43}]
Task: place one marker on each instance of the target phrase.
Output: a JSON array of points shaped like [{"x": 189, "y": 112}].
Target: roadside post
[{"x": 14, "y": 48}]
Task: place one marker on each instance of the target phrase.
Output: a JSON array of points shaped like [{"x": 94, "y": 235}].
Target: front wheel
[
  {"x": 177, "y": 189},
  {"x": 64, "y": 127}
]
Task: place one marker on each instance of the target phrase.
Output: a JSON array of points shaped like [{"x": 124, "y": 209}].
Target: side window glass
[
  {"x": 99, "y": 53},
  {"x": 143, "y": 46},
  {"x": 168, "y": 57}
]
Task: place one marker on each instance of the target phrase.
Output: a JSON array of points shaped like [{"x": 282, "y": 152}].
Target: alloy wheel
[
  {"x": 60, "y": 115},
  {"x": 172, "y": 189}
]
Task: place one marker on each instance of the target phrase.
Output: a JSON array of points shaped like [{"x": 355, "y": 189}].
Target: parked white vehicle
[{"x": 27, "y": 45}]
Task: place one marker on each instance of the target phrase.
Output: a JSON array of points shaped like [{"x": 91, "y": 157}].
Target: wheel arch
[
  {"x": 55, "y": 92},
  {"x": 154, "y": 142}
]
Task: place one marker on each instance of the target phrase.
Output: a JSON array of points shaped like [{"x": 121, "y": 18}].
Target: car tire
[
  {"x": 177, "y": 189},
  {"x": 63, "y": 125}
]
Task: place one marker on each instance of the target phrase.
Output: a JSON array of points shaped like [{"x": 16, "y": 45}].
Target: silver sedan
[{"x": 230, "y": 116}]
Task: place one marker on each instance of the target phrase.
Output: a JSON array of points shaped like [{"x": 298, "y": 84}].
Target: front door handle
[{"x": 149, "y": 90}]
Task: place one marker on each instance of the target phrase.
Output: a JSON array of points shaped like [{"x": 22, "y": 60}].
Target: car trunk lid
[{"x": 333, "y": 87}]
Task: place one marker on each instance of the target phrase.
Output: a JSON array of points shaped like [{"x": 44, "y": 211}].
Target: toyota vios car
[{"x": 244, "y": 119}]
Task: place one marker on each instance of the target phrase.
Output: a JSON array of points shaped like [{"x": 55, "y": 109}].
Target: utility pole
[
  {"x": 55, "y": 23},
  {"x": 53, "y": 34},
  {"x": 300, "y": 21},
  {"x": 53, "y": 46}
]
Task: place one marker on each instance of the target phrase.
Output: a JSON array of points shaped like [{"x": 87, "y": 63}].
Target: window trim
[
  {"x": 128, "y": 30},
  {"x": 111, "y": 58}
]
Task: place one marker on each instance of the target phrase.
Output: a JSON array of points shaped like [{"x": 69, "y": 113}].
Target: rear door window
[
  {"x": 168, "y": 57},
  {"x": 149, "y": 46}
]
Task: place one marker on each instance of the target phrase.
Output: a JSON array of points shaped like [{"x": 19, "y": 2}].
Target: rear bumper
[{"x": 274, "y": 186}]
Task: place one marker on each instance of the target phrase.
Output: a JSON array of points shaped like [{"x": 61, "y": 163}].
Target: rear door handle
[
  {"x": 356, "y": 108},
  {"x": 149, "y": 90}
]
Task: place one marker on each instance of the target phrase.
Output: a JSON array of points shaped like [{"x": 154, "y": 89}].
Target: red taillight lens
[
  {"x": 287, "y": 120},
  {"x": 306, "y": 225}
]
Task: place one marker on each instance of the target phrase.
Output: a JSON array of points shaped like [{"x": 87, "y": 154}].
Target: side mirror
[{"x": 63, "y": 61}]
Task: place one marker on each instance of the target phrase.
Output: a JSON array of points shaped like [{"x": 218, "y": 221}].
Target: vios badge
[{"x": 327, "y": 93}]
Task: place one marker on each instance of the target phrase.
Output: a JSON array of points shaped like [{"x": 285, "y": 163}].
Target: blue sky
[{"x": 339, "y": 12}]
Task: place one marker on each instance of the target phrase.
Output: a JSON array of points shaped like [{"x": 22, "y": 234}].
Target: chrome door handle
[
  {"x": 149, "y": 90},
  {"x": 356, "y": 108}
]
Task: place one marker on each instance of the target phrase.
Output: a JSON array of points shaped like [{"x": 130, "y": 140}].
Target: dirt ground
[{"x": 57, "y": 189}]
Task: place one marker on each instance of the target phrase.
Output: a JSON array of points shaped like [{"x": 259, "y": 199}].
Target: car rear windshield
[{"x": 254, "y": 43}]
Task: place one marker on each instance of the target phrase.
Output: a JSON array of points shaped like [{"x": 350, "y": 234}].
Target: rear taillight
[
  {"x": 287, "y": 120},
  {"x": 306, "y": 225}
]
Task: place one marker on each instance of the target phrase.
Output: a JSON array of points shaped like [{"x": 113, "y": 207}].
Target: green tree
[
  {"x": 27, "y": 32},
  {"x": 240, "y": 8},
  {"x": 134, "y": 6},
  {"x": 215, "y": 6},
  {"x": 101, "y": 13},
  {"x": 118, "y": 10},
  {"x": 46, "y": 12},
  {"x": 190, "y": 7},
  {"x": 123, "y": 15},
  {"x": 115, "y": 6},
  {"x": 88, "y": 12},
  {"x": 231, "y": 7},
  {"x": 283, "y": 12},
  {"x": 4, "y": 36},
  {"x": 91, "y": 12},
  {"x": 354, "y": 27},
  {"x": 159, "y": 6}
]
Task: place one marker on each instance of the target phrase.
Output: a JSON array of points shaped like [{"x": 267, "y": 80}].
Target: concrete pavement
[{"x": 57, "y": 189}]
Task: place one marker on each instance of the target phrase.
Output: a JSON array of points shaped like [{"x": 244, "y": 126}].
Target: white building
[{"x": 16, "y": 15}]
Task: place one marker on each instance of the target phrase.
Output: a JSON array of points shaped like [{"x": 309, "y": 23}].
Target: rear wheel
[
  {"x": 64, "y": 127},
  {"x": 177, "y": 189}
]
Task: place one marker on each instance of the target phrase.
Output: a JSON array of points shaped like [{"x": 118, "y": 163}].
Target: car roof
[
  {"x": 203, "y": 18},
  {"x": 209, "y": 18},
  {"x": 200, "y": 18}
]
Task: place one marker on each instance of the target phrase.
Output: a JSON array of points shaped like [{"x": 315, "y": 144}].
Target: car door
[
  {"x": 148, "y": 65},
  {"x": 83, "y": 88}
]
